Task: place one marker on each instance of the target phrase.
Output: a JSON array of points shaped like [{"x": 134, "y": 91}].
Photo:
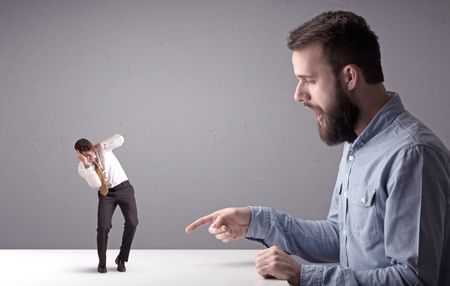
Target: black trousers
[{"x": 121, "y": 195}]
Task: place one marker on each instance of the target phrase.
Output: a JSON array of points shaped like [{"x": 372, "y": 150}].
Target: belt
[{"x": 120, "y": 186}]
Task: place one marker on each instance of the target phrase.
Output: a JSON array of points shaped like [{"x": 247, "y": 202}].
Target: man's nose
[{"x": 300, "y": 94}]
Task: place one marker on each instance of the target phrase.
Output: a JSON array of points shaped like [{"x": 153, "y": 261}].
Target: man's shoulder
[
  {"x": 106, "y": 154},
  {"x": 410, "y": 132}
]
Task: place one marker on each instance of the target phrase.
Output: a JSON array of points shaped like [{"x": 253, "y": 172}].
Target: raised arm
[
  {"x": 86, "y": 171},
  {"x": 110, "y": 143}
]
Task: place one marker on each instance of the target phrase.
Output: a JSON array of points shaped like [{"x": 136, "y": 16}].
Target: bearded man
[{"x": 389, "y": 219}]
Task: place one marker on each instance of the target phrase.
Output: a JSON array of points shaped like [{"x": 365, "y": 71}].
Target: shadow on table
[
  {"x": 87, "y": 270},
  {"x": 237, "y": 264}
]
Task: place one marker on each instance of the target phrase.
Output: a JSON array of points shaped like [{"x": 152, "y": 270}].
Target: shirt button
[
  {"x": 351, "y": 157},
  {"x": 345, "y": 194},
  {"x": 363, "y": 200},
  {"x": 343, "y": 232}
]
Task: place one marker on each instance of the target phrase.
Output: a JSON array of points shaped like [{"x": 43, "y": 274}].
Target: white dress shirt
[{"x": 113, "y": 171}]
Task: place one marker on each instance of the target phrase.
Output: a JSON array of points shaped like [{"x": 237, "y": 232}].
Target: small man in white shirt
[{"x": 100, "y": 168}]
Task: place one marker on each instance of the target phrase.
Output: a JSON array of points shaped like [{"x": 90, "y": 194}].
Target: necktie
[{"x": 103, "y": 188}]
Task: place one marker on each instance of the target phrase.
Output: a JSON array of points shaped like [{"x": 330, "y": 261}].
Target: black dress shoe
[
  {"x": 102, "y": 269},
  {"x": 120, "y": 265}
]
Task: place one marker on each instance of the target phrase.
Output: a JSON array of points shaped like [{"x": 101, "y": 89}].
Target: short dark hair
[
  {"x": 345, "y": 38},
  {"x": 83, "y": 145}
]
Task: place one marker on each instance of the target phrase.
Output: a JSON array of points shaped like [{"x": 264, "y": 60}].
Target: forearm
[
  {"x": 89, "y": 175},
  {"x": 112, "y": 142},
  {"x": 398, "y": 274},
  {"x": 316, "y": 241}
]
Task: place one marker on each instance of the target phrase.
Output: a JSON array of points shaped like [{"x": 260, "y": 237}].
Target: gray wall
[{"x": 202, "y": 92}]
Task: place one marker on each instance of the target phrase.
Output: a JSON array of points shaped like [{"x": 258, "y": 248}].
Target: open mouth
[
  {"x": 318, "y": 113},
  {"x": 318, "y": 116}
]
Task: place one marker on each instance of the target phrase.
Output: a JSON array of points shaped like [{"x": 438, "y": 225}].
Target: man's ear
[{"x": 351, "y": 76}]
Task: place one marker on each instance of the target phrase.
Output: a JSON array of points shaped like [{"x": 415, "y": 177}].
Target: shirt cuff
[
  {"x": 260, "y": 223},
  {"x": 311, "y": 275}
]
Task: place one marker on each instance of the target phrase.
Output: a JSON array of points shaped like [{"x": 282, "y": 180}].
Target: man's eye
[{"x": 307, "y": 81}]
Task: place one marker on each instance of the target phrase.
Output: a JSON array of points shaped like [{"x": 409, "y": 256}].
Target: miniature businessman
[{"x": 101, "y": 169}]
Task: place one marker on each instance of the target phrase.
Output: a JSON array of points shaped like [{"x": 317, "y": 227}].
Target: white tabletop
[{"x": 145, "y": 267}]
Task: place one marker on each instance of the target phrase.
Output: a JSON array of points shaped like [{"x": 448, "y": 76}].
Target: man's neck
[{"x": 373, "y": 98}]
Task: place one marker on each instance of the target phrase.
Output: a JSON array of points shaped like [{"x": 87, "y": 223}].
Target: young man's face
[
  {"x": 90, "y": 155},
  {"x": 322, "y": 92}
]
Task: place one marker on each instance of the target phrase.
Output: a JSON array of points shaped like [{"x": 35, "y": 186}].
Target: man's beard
[{"x": 339, "y": 120}]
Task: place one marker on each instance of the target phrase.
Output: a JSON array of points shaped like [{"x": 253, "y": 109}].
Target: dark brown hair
[
  {"x": 346, "y": 39},
  {"x": 83, "y": 145}
]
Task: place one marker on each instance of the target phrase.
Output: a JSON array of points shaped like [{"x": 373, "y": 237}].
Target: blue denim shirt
[{"x": 389, "y": 219}]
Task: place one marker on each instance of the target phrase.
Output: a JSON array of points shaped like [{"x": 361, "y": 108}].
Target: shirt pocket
[{"x": 362, "y": 213}]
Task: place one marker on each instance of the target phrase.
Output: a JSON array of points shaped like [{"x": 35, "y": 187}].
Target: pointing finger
[{"x": 199, "y": 222}]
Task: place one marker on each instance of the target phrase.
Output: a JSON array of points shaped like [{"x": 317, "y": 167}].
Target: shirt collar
[{"x": 384, "y": 117}]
